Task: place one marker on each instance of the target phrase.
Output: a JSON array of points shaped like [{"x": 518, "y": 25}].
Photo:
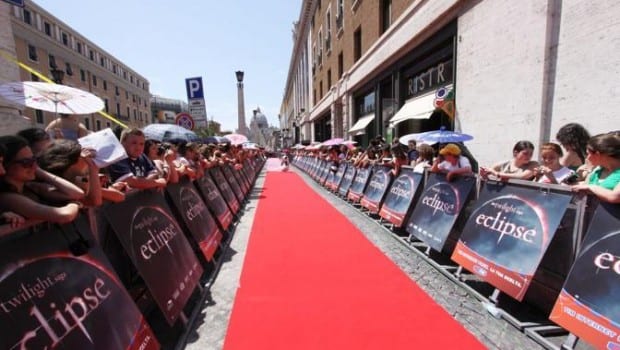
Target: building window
[
  {"x": 114, "y": 68},
  {"x": 102, "y": 61},
  {"x": 52, "y": 61},
  {"x": 105, "y": 101},
  {"x": 32, "y": 53},
  {"x": 34, "y": 77},
  {"x": 82, "y": 75},
  {"x": 91, "y": 55},
  {"x": 357, "y": 44},
  {"x": 118, "y": 109},
  {"x": 124, "y": 75},
  {"x": 128, "y": 113},
  {"x": 328, "y": 32},
  {"x": 340, "y": 65},
  {"x": 131, "y": 79},
  {"x": 68, "y": 69},
  {"x": 27, "y": 17},
  {"x": 65, "y": 39},
  {"x": 127, "y": 95},
  {"x": 329, "y": 79},
  {"x": 135, "y": 114},
  {"x": 339, "y": 14},
  {"x": 38, "y": 116},
  {"x": 79, "y": 47},
  {"x": 98, "y": 125},
  {"x": 321, "y": 89},
  {"x": 386, "y": 15},
  {"x": 116, "y": 91},
  {"x": 87, "y": 123},
  {"x": 105, "y": 85},
  {"x": 47, "y": 28},
  {"x": 108, "y": 125},
  {"x": 94, "y": 80}
]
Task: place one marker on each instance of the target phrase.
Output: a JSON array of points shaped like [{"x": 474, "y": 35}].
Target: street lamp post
[{"x": 298, "y": 119}]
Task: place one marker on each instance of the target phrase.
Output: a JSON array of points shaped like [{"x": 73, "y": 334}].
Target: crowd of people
[
  {"x": 586, "y": 164},
  {"x": 47, "y": 176}
]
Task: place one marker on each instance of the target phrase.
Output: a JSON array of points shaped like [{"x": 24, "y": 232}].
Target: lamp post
[
  {"x": 57, "y": 75},
  {"x": 241, "y": 128},
  {"x": 298, "y": 119}
]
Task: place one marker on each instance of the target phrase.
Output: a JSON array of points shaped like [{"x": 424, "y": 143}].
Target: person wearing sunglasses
[
  {"x": 25, "y": 186},
  {"x": 8, "y": 217},
  {"x": 67, "y": 159}
]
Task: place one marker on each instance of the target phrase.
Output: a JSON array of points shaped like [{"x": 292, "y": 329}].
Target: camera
[{"x": 162, "y": 148}]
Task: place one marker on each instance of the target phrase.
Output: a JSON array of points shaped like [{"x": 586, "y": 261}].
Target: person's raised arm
[{"x": 30, "y": 209}]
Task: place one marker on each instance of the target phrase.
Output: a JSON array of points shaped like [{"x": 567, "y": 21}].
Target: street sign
[
  {"x": 185, "y": 120},
  {"x": 194, "y": 88}
]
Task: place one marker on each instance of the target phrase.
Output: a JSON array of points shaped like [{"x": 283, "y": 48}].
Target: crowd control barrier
[
  {"x": 128, "y": 275},
  {"x": 537, "y": 255}
]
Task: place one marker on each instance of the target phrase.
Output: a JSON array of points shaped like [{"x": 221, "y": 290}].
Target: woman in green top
[{"x": 603, "y": 152}]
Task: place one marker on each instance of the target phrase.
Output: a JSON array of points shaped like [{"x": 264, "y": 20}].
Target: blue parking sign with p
[{"x": 194, "y": 88}]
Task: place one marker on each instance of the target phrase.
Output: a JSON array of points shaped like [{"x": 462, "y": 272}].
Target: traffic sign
[
  {"x": 185, "y": 120},
  {"x": 194, "y": 88}
]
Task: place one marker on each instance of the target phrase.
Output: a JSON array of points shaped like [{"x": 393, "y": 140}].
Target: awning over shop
[
  {"x": 361, "y": 124},
  {"x": 416, "y": 108}
]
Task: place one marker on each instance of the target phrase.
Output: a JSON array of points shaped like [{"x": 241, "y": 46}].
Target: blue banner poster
[
  {"x": 508, "y": 233},
  {"x": 588, "y": 304},
  {"x": 399, "y": 198},
  {"x": 438, "y": 208}
]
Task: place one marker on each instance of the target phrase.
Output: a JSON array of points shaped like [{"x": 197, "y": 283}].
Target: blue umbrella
[
  {"x": 443, "y": 136},
  {"x": 165, "y": 132}
]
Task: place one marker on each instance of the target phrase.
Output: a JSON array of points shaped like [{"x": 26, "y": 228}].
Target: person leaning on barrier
[
  {"x": 25, "y": 185},
  {"x": 162, "y": 156},
  {"x": 550, "y": 170},
  {"x": 136, "y": 170},
  {"x": 67, "y": 159},
  {"x": 451, "y": 162},
  {"x": 426, "y": 153},
  {"x": 8, "y": 217},
  {"x": 521, "y": 166},
  {"x": 603, "y": 152},
  {"x": 574, "y": 139},
  {"x": 399, "y": 158}
]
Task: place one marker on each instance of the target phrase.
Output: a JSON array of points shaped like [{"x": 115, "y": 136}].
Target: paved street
[{"x": 495, "y": 333}]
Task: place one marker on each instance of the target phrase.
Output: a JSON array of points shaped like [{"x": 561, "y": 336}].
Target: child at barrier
[
  {"x": 24, "y": 185},
  {"x": 136, "y": 170},
  {"x": 550, "y": 170},
  {"x": 603, "y": 152},
  {"x": 451, "y": 162}
]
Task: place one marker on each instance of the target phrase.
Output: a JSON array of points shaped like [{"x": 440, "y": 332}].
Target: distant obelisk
[{"x": 241, "y": 128}]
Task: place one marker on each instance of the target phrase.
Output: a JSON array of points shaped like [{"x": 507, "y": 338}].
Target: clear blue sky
[{"x": 168, "y": 41}]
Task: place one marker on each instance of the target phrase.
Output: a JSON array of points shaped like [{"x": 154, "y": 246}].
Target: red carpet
[{"x": 311, "y": 280}]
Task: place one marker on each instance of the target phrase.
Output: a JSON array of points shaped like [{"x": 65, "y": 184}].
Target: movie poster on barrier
[
  {"x": 588, "y": 304},
  {"x": 400, "y": 196},
  {"x": 225, "y": 189},
  {"x": 51, "y": 298},
  {"x": 508, "y": 233},
  {"x": 342, "y": 168},
  {"x": 347, "y": 180},
  {"x": 356, "y": 191},
  {"x": 158, "y": 248},
  {"x": 215, "y": 201},
  {"x": 376, "y": 189},
  {"x": 196, "y": 217},
  {"x": 232, "y": 181},
  {"x": 438, "y": 208}
]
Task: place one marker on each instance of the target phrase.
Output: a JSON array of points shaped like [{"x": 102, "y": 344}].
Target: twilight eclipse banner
[
  {"x": 50, "y": 298},
  {"x": 438, "y": 208},
  {"x": 196, "y": 217},
  {"x": 225, "y": 190},
  {"x": 376, "y": 189},
  {"x": 400, "y": 197},
  {"x": 214, "y": 201},
  {"x": 347, "y": 180},
  {"x": 356, "y": 191},
  {"x": 158, "y": 248},
  {"x": 588, "y": 304},
  {"x": 508, "y": 233}
]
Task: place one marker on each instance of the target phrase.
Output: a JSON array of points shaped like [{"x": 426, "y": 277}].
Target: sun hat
[{"x": 450, "y": 149}]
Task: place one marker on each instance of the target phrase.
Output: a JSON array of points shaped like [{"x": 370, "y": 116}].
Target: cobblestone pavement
[{"x": 495, "y": 333}]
